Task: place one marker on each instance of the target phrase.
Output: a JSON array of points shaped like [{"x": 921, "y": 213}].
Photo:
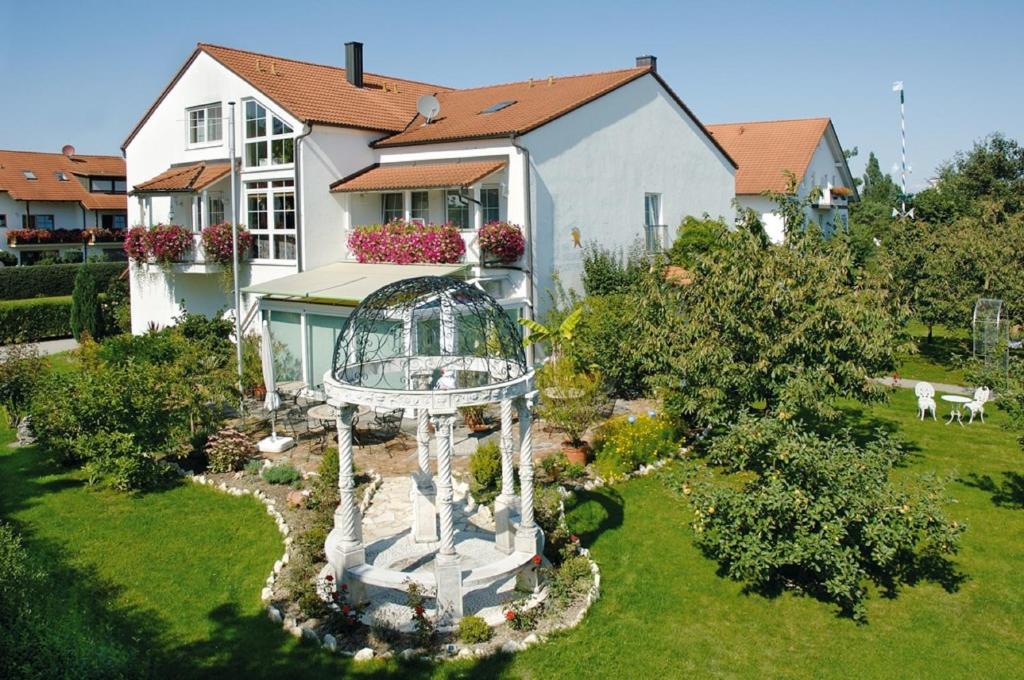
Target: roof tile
[
  {"x": 419, "y": 176},
  {"x": 192, "y": 177},
  {"x": 764, "y": 150},
  {"x": 49, "y": 187}
]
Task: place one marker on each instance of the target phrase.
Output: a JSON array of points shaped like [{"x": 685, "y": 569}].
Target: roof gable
[
  {"x": 313, "y": 93},
  {"x": 765, "y": 150},
  {"x": 47, "y": 186}
]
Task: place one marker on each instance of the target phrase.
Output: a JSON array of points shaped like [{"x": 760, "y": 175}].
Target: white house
[
  {"x": 611, "y": 157},
  {"x": 808, "y": 148},
  {"x": 58, "y": 196}
]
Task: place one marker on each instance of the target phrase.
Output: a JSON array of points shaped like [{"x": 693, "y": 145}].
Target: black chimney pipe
[
  {"x": 354, "y": 63},
  {"x": 646, "y": 60}
]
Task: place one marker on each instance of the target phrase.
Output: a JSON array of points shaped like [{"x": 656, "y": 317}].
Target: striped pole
[{"x": 902, "y": 210}]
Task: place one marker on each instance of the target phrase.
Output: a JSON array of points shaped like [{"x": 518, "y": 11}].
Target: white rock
[
  {"x": 530, "y": 639},
  {"x": 290, "y": 622},
  {"x": 309, "y": 634},
  {"x": 284, "y": 558},
  {"x": 266, "y": 594},
  {"x": 274, "y": 613},
  {"x": 511, "y": 647},
  {"x": 364, "y": 654},
  {"x": 465, "y": 653},
  {"x": 408, "y": 654},
  {"x": 330, "y": 643},
  {"x": 277, "y": 567},
  {"x": 296, "y": 631}
]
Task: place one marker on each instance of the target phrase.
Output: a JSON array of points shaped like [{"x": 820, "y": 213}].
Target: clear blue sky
[{"x": 84, "y": 72}]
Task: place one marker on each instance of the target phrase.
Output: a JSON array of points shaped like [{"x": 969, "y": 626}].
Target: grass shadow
[
  {"x": 591, "y": 513},
  {"x": 1008, "y": 493}
]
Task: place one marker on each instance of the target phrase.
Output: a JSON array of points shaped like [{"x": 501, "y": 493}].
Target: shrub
[
  {"x": 21, "y": 368},
  {"x": 35, "y": 319},
  {"x": 85, "y": 305},
  {"x": 423, "y": 626},
  {"x": 253, "y": 466},
  {"x": 228, "y": 450},
  {"x": 311, "y": 544},
  {"x": 473, "y": 629},
  {"x": 403, "y": 242},
  {"x": 571, "y": 400},
  {"x": 503, "y": 240},
  {"x": 607, "y": 337},
  {"x": 519, "y": 618},
  {"x": 627, "y": 442},
  {"x": 18, "y": 283},
  {"x": 818, "y": 514},
  {"x": 695, "y": 238},
  {"x": 485, "y": 469},
  {"x": 323, "y": 492},
  {"x": 281, "y": 474},
  {"x": 606, "y": 271},
  {"x": 8, "y": 259},
  {"x": 115, "y": 459},
  {"x": 553, "y": 464},
  {"x": 116, "y": 307},
  {"x": 570, "y": 581},
  {"x": 547, "y": 507}
]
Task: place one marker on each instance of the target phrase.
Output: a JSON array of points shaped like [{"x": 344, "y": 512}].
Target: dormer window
[
  {"x": 268, "y": 139},
  {"x": 205, "y": 126},
  {"x": 61, "y": 176},
  {"x": 29, "y": 174}
]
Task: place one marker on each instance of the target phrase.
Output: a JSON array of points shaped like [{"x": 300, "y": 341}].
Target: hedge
[
  {"x": 35, "y": 319},
  {"x": 50, "y": 280}
]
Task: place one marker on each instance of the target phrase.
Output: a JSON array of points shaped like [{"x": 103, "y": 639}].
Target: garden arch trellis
[{"x": 991, "y": 334}]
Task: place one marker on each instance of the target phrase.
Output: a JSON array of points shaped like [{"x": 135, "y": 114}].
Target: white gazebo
[{"x": 430, "y": 345}]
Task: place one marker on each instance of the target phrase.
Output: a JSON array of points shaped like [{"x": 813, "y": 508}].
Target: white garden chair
[
  {"x": 925, "y": 399},
  {"x": 977, "y": 406}
]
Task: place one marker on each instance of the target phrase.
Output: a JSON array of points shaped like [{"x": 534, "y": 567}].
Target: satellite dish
[
  {"x": 428, "y": 107},
  {"x": 68, "y": 150}
]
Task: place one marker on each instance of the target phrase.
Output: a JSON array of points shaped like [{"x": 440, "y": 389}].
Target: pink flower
[{"x": 503, "y": 240}]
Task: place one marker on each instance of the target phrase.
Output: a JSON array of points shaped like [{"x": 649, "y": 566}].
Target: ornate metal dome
[{"x": 428, "y": 333}]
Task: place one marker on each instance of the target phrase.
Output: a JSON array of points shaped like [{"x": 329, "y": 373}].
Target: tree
[
  {"x": 696, "y": 237},
  {"x": 783, "y": 329},
  {"x": 85, "y": 305}
]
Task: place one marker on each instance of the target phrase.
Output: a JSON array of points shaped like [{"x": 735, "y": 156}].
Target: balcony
[
  {"x": 192, "y": 261},
  {"x": 656, "y": 238},
  {"x": 833, "y": 198}
]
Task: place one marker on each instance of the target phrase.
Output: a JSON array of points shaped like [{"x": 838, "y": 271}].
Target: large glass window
[
  {"x": 655, "y": 233},
  {"x": 270, "y": 212},
  {"x": 286, "y": 337},
  {"x": 204, "y": 124},
  {"x": 215, "y": 209},
  {"x": 323, "y": 333},
  {"x": 489, "y": 204},
  {"x": 420, "y": 208},
  {"x": 457, "y": 209},
  {"x": 37, "y": 221},
  {"x": 113, "y": 221},
  {"x": 392, "y": 207},
  {"x": 261, "y": 148}
]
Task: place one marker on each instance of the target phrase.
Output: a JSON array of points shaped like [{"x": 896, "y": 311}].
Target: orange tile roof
[
  {"x": 764, "y": 150},
  {"x": 536, "y": 102},
  {"x": 192, "y": 177},
  {"x": 420, "y": 176},
  {"x": 47, "y": 186},
  {"x": 106, "y": 202},
  {"x": 316, "y": 93}
]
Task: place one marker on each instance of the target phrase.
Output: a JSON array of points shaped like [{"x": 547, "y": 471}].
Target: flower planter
[
  {"x": 502, "y": 242},
  {"x": 401, "y": 242},
  {"x": 577, "y": 455}
]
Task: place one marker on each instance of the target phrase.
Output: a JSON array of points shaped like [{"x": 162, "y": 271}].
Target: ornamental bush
[
  {"x": 503, "y": 240},
  {"x": 86, "y": 316},
  {"x": 402, "y": 242},
  {"x": 485, "y": 469},
  {"x": 218, "y": 243},
  {"x": 18, "y": 283},
  {"x": 625, "y": 443},
  {"x": 35, "y": 319},
  {"x": 21, "y": 368},
  {"x": 228, "y": 450},
  {"x": 114, "y": 459},
  {"x": 818, "y": 514},
  {"x": 473, "y": 630},
  {"x": 281, "y": 474}
]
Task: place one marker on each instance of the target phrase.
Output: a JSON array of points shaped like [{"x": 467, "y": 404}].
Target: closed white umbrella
[{"x": 272, "y": 402}]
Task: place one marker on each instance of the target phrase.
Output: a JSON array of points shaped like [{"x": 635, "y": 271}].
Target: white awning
[{"x": 348, "y": 282}]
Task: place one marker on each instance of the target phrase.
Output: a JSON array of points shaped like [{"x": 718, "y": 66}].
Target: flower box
[
  {"x": 503, "y": 241},
  {"x": 218, "y": 243},
  {"x": 843, "y": 192},
  {"x": 402, "y": 242},
  {"x": 163, "y": 244}
]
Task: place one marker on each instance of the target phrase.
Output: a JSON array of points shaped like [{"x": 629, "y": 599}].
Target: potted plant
[
  {"x": 572, "y": 402},
  {"x": 473, "y": 416},
  {"x": 502, "y": 240}
]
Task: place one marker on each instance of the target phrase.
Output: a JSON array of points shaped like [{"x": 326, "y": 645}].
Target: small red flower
[
  {"x": 536, "y": 560},
  {"x": 344, "y": 586},
  {"x": 510, "y": 615},
  {"x": 419, "y": 610},
  {"x": 574, "y": 538},
  {"x": 329, "y": 578},
  {"x": 346, "y": 609}
]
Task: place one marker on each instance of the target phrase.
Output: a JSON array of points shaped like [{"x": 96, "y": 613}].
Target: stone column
[
  {"x": 446, "y": 562},
  {"x": 504, "y": 539},
  {"x": 528, "y": 536},
  {"x": 424, "y": 518},
  {"x": 344, "y": 545}
]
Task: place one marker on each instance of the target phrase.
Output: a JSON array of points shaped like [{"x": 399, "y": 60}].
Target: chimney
[
  {"x": 647, "y": 61},
  {"x": 354, "y": 63}
]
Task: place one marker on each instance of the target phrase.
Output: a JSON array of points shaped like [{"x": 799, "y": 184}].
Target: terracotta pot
[
  {"x": 576, "y": 454},
  {"x": 259, "y": 392}
]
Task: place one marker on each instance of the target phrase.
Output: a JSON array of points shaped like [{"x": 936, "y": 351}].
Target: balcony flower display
[
  {"x": 402, "y": 242},
  {"x": 218, "y": 245},
  {"x": 102, "y": 235},
  {"x": 163, "y": 244},
  {"x": 503, "y": 240},
  {"x": 842, "y": 191},
  {"x": 136, "y": 244},
  {"x": 36, "y": 236}
]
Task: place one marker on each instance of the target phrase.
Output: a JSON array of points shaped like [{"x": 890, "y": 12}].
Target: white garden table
[{"x": 956, "y": 409}]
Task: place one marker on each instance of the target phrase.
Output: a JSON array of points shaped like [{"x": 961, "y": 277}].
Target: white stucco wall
[{"x": 592, "y": 167}]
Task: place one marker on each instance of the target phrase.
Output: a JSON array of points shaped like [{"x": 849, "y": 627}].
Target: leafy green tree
[
  {"x": 696, "y": 237},
  {"x": 85, "y": 305},
  {"x": 784, "y": 329}
]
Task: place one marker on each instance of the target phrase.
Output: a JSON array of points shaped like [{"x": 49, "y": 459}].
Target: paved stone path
[
  {"x": 47, "y": 347},
  {"x": 909, "y": 384}
]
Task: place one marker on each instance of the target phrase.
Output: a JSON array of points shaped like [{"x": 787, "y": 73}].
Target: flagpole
[
  {"x": 237, "y": 295},
  {"x": 902, "y": 211}
]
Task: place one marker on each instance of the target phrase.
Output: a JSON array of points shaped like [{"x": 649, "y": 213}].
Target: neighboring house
[
  {"x": 59, "y": 194},
  {"x": 608, "y": 157},
  {"x": 808, "y": 148}
]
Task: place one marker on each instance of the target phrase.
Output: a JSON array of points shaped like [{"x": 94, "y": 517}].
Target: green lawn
[
  {"x": 186, "y": 566},
  {"x": 938, "y": 359}
]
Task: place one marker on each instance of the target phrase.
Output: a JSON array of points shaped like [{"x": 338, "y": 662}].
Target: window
[
  {"x": 457, "y": 209},
  {"x": 29, "y": 174},
  {"x": 655, "y": 233},
  {"x": 270, "y": 211},
  {"x": 205, "y": 124},
  {"x": 261, "y": 149},
  {"x": 489, "y": 204},
  {"x": 3, "y": 221},
  {"x": 323, "y": 334},
  {"x": 392, "y": 207},
  {"x": 37, "y": 221},
  {"x": 107, "y": 185},
  {"x": 113, "y": 221},
  {"x": 286, "y": 331},
  {"x": 215, "y": 209},
  {"x": 420, "y": 206},
  {"x": 61, "y": 176}
]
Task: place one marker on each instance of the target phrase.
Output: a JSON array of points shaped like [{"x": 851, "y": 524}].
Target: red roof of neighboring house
[
  {"x": 48, "y": 168},
  {"x": 192, "y": 177},
  {"x": 315, "y": 93},
  {"x": 764, "y": 150},
  {"x": 420, "y": 176}
]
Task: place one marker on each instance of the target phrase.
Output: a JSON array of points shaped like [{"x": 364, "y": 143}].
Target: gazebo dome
[{"x": 428, "y": 333}]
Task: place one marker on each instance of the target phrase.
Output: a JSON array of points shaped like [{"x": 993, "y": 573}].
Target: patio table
[
  {"x": 325, "y": 414},
  {"x": 956, "y": 409}
]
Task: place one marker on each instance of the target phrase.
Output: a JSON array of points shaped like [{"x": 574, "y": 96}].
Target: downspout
[
  {"x": 531, "y": 301},
  {"x": 300, "y": 225}
]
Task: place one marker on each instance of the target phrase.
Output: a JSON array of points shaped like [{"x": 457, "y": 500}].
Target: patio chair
[
  {"x": 925, "y": 399},
  {"x": 977, "y": 406},
  {"x": 294, "y": 421}
]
